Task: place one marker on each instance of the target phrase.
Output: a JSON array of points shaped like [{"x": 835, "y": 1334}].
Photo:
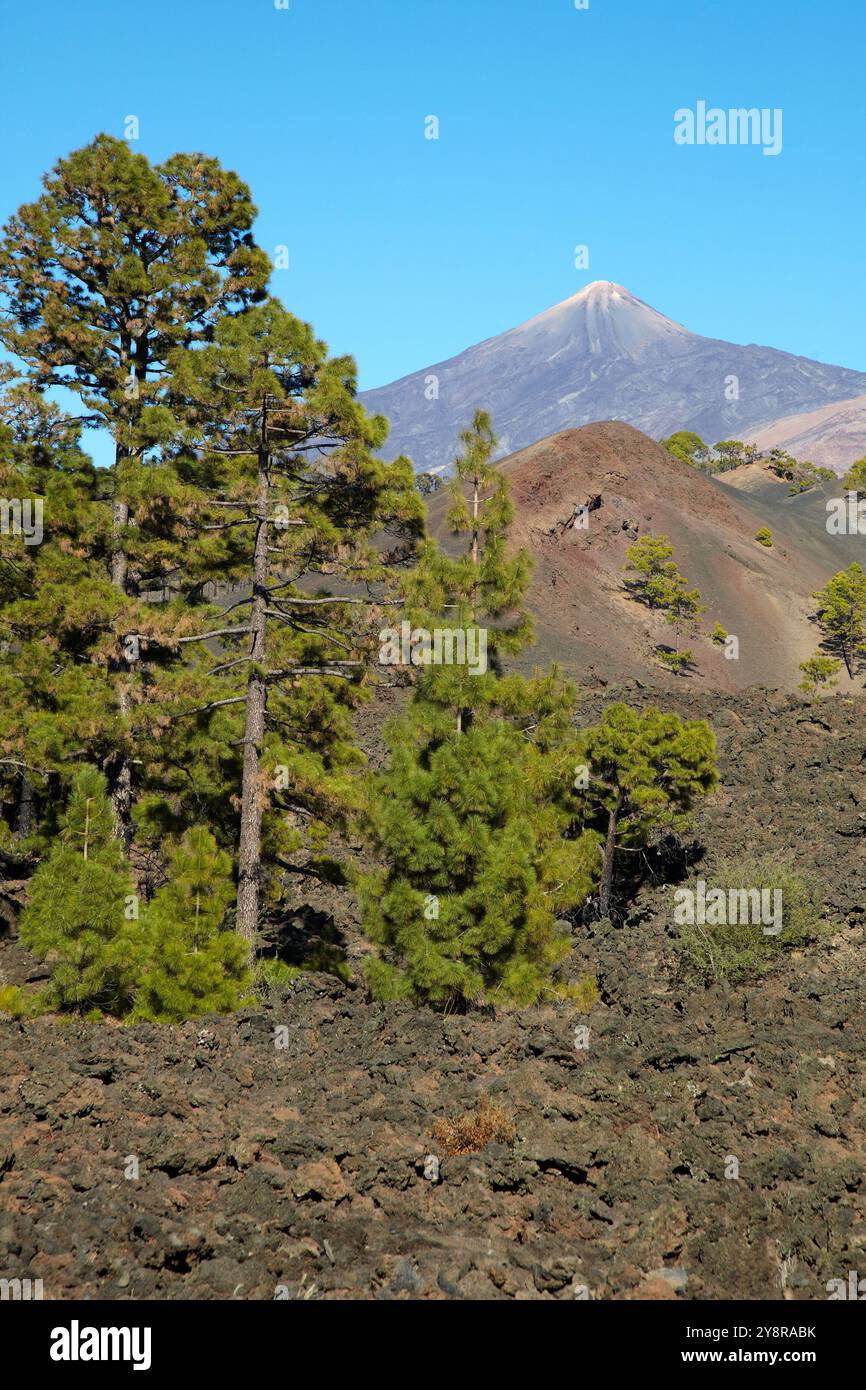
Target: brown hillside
[{"x": 585, "y": 618}]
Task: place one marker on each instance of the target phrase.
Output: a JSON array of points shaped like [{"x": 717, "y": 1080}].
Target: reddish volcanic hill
[{"x": 586, "y": 619}]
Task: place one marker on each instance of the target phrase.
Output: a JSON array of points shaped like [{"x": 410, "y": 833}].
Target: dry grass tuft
[{"x": 474, "y": 1131}]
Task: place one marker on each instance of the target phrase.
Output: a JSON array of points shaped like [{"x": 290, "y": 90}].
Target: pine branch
[
  {"x": 217, "y": 632},
  {"x": 43, "y": 772},
  {"x": 214, "y": 704},
  {"x": 329, "y": 670}
]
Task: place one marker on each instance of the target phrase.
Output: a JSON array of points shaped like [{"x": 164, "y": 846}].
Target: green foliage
[
  {"x": 95, "y": 300},
  {"x": 764, "y": 536},
  {"x": 735, "y": 951},
  {"x": 82, "y": 916},
  {"x": 783, "y": 464},
  {"x": 428, "y": 483},
  {"x": 17, "y": 1002},
  {"x": 56, "y": 610},
  {"x": 273, "y": 979},
  {"x": 155, "y": 318},
  {"x": 688, "y": 447},
  {"x": 193, "y": 967},
  {"x": 732, "y": 453},
  {"x": 135, "y": 708},
  {"x": 646, "y": 771},
  {"x": 652, "y": 558},
  {"x": 473, "y": 827},
  {"x": 585, "y": 993},
  {"x": 800, "y": 476},
  {"x": 661, "y": 586},
  {"x": 676, "y": 661},
  {"x": 118, "y": 265},
  {"x": 818, "y": 672},
  {"x": 77, "y": 910},
  {"x": 719, "y": 635},
  {"x": 298, "y": 507},
  {"x": 841, "y": 615},
  {"x": 649, "y": 766},
  {"x": 473, "y": 816},
  {"x": 691, "y": 449},
  {"x": 855, "y": 479}
]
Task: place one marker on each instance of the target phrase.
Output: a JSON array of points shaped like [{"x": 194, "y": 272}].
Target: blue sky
[{"x": 556, "y": 129}]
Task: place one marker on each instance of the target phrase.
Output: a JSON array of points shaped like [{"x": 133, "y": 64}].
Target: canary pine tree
[
  {"x": 81, "y": 913},
  {"x": 56, "y": 603},
  {"x": 660, "y": 585},
  {"x": 855, "y": 479},
  {"x": 473, "y": 817},
  {"x": 298, "y": 504},
  {"x": 192, "y": 965},
  {"x": 63, "y": 622},
  {"x": 841, "y": 615},
  {"x": 818, "y": 672},
  {"x": 644, "y": 771},
  {"x": 115, "y": 266}
]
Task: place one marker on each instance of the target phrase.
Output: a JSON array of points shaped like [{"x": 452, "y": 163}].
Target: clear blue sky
[{"x": 556, "y": 129}]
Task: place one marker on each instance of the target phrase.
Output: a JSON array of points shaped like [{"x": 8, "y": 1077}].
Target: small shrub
[
  {"x": 584, "y": 993},
  {"x": 678, "y": 662},
  {"x": 818, "y": 671},
  {"x": 735, "y": 951},
  {"x": 273, "y": 980},
  {"x": 764, "y": 536},
  {"x": 719, "y": 635},
  {"x": 21, "y": 1003},
  {"x": 473, "y": 1132}
]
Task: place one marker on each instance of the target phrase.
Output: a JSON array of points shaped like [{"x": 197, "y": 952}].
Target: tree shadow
[
  {"x": 666, "y": 655},
  {"x": 308, "y": 939}
]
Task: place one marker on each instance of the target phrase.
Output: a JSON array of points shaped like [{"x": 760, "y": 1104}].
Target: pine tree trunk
[
  {"x": 119, "y": 563},
  {"x": 464, "y": 716},
  {"x": 250, "y": 843},
  {"x": 475, "y": 541},
  {"x": 607, "y": 862},
  {"x": 118, "y": 767},
  {"x": 24, "y": 814}
]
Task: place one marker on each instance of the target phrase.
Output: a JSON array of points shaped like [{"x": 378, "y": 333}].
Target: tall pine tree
[
  {"x": 115, "y": 266},
  {"x": 299, "y": 506}
]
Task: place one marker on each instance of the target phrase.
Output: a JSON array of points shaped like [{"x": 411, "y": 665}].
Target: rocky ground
[{"x": 282, "y": 1153}]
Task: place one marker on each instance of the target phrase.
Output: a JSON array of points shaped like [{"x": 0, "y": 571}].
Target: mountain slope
[
  {"x": 834, "y": 435},
  {"x": 585, "y": 618},
  {"x": 602, "y": 354}
]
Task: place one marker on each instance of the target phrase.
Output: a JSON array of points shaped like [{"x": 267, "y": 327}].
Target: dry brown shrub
[{"x": 474, "y": 1131}]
